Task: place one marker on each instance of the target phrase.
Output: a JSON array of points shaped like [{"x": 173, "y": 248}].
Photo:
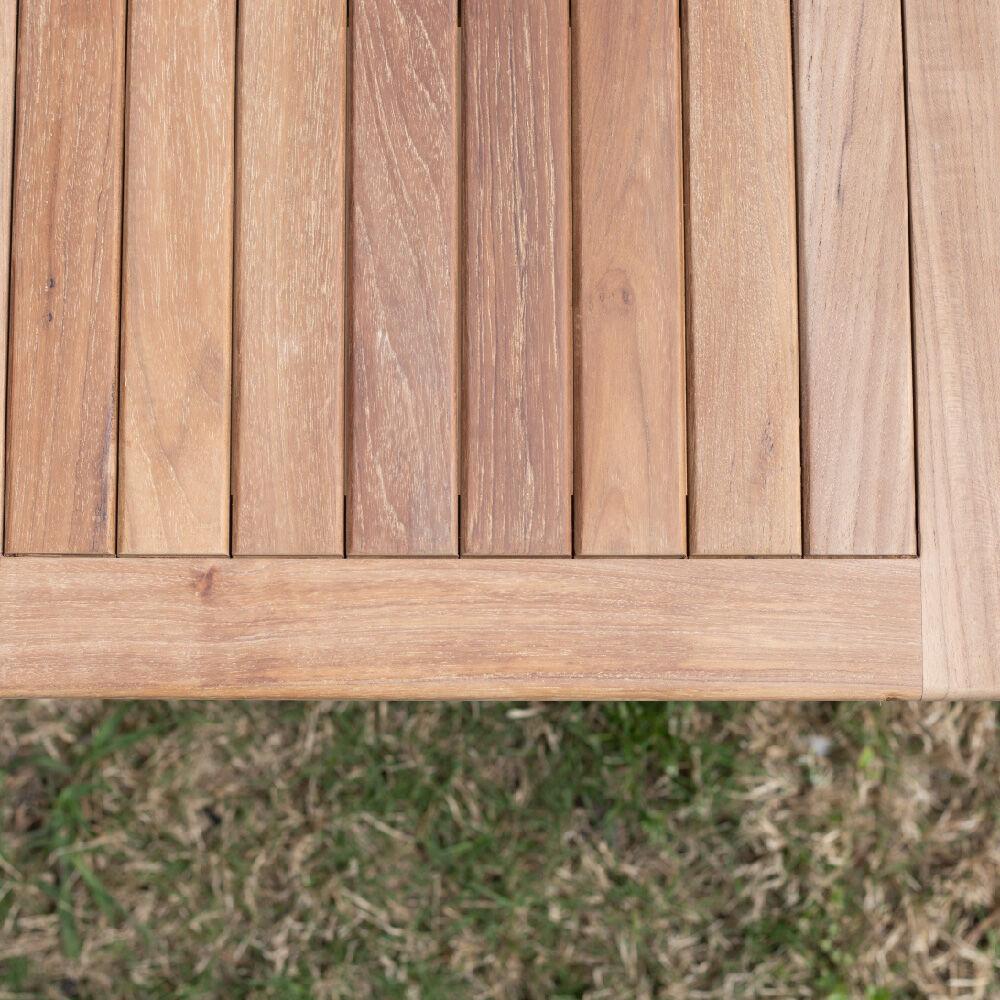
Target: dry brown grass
[{"x": 591, "y": 851}]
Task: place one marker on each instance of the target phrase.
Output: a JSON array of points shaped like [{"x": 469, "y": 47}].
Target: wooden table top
[{"x": 646, "y": 349}]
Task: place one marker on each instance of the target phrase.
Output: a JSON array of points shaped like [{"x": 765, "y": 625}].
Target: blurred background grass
[{"x": 496, "y": 851}]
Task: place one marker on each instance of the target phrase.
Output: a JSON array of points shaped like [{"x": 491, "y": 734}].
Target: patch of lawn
[{"x": 586, "y": 851}]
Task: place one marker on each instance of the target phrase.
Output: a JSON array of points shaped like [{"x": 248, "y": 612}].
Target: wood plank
[
  {"x": 517, "y": 420},
  {"x": 854, "y": 295},
  {"x": 289, "y": 280},
  {"x": 403, "y": 480},
  {"x": 631, "y": 461},
  {"x": 66, "y": 278},
  {"x": 743, "y": 377},
  {"x": 8, "y": 60},
  {"x": 177, "y": 287},
  {"x": 469, "y": 628},
  {"x": 953, "y": 51}
]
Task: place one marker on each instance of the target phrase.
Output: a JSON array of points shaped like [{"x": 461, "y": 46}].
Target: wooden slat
[
  {"x": 8, "y": 46},
  {"x": 403, "y": 480},
  {"x": 517, "y": 425},
  {"x": 469, "y": 628},
  {"x": 741, "y": 263},
  {"x": 177, "y": 283},
  {"x": 953, "y": 51},
  {"x": 628, "y": 213},
  {"x": 66, "y": 278},
  {"x": 289, "y": 279},
  {"x": 857, "y": 371}
]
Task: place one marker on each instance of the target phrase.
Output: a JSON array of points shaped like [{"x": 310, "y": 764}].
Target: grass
[{"x": 155, "y": 850}]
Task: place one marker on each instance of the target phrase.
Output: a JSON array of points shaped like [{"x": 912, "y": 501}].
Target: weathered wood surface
[
  {"x": 249, "y": 137},
  {"x": 288, "y": 436},
  {"x": 8, "y": 47},
  {"x": 404, "y": 357},
  {"x": 953, "y": 51},
  {"x": 630, "y": 441},
  {"x": 743, "y": 375},
  {"x": 461, "y": 628},
  {"x": 65, "y": 279},
  {"x": 177, "y": 287},
  {"x": 857, "y": 370},
  {"x": 517, "y": 415}
]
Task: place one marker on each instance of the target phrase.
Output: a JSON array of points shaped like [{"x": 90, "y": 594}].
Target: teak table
[{"x": 511, "y": 350}]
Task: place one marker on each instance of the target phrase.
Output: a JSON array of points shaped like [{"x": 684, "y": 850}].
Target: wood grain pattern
[
  {"x": 631, "y": 463},
  {"x": 403, "y": 480},
  {"x": 177, "y": 285},
  {"x": 743, "y": 419},
  {"x": 953, "y": 51},
  {"x": 66, "y": 277},
  {"x": 517, "y": 392},
  {"x": 8, "y": 59},
  {"x": 854, "y": 293},
  {"x": 288, "y": 406},
  {"x": 436, "y": 628}
]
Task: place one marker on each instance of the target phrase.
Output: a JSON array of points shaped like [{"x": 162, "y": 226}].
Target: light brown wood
[
  {"x": 631, "y": 488},
  {"x": 517, "y": 391},
  {"x": 854, "y": 293},
  {"x": 743, "y": 419},
  {"x": 8, "y": 47},
  {"x": 288, "y": 318},
  {"x": 201, "y": 624},
  {"x": 177, "y": 288},
  {"x": 65, "y": 278},
  {"x": 392, "y": 628},
  {"x": 953, "y": 51},
  {"x": 403, "y": 426}
]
